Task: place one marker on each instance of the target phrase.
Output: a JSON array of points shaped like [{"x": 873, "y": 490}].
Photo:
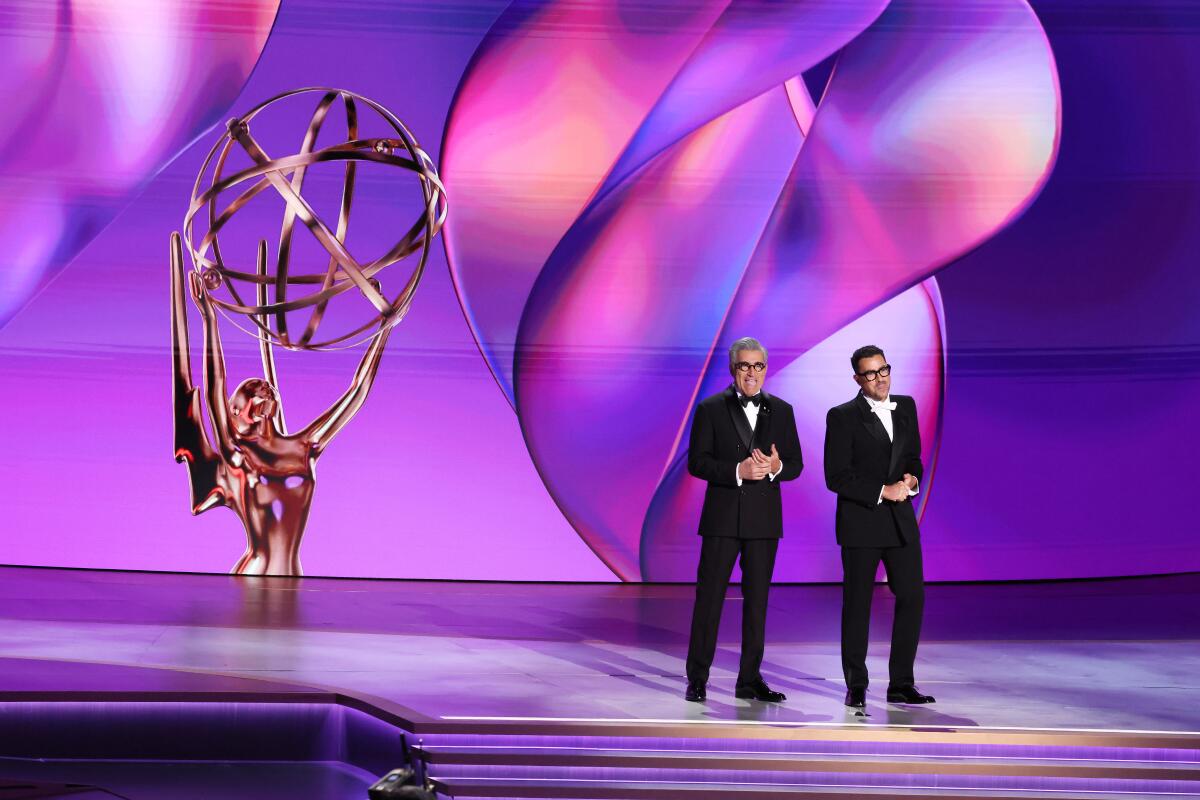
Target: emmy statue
[{"x": 255, "y": 466}]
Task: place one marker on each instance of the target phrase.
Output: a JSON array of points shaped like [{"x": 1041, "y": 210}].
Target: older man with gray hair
[{"x": 744, "y": 444}]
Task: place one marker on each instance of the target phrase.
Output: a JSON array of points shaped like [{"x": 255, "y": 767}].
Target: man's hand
[
  {"x": 896, "y": 492},
  {"x": 910, "y": 481},
  {"x": 761, "y": 458},
  {"x": 754, "y": 468},
  {"x": 776, "y": 461}
]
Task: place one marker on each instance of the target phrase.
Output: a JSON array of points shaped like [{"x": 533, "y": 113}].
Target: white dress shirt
[
  {"x": 882, "y": 409},
  {"x": 752, "y": 417}
]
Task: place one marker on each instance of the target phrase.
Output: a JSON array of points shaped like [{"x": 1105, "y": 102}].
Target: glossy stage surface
[{"x": 1119, "y": 654}]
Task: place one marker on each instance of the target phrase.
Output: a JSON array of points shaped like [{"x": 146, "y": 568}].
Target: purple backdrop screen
[{"x": 1003, "y": 195}]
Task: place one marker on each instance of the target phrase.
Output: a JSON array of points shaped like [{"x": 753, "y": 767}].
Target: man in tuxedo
[
  {"x": 744, "y": 444},
  {"x": 873, "y": 463}
]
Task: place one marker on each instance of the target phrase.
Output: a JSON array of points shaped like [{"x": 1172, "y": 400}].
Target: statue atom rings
[{"x": 275, "y": 302}]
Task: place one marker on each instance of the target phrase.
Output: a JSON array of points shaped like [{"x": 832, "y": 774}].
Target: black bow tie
[{"x": 746, "y": 399}]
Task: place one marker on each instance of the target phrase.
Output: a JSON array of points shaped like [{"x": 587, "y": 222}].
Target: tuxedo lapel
[
  {"x": 738, "y": 417},
  {"x": 762, "y": 427},
  {"x": 900, "y": 435},
  {"x": 871, "y": 420}
]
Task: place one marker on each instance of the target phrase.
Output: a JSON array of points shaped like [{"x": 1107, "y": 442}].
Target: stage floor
[{"x": 1117, "y": 655}]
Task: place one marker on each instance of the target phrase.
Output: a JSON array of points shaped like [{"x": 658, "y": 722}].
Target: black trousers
[
  {"x": 905, "y": 579},
  {"x": 717, "y": 555}
]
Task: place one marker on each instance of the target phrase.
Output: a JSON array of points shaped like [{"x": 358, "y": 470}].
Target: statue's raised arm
[
  {"x": 214, "y": 370},
  {"x": 265, "y": 348},
  {"x": 192, "y": 446},
  {"x": 322, "y": 430}
]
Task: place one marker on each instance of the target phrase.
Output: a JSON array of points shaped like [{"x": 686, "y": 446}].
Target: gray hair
[{"x": 745, "y": 343}]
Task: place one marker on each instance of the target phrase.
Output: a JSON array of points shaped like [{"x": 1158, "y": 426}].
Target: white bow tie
[{"x": 889, "y": 405}]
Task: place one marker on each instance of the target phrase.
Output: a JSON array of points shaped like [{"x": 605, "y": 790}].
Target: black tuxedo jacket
[
  {"x": 859, "y": 460},
  {"x": 721, "y": 437}
]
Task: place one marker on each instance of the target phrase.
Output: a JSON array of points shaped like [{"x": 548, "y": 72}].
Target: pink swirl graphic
[
  {"x": 104, "y": 95},
  {"x": 635, "y": 187}
]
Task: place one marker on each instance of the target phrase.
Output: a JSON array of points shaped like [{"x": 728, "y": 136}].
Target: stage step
[
  {"x": 452, "y": 760},
  {"x": 529, "y": 789},
  {"x": 604, "y": 768}
]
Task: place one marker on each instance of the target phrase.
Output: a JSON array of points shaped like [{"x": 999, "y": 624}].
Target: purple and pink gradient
[
  {"x": 1064, "y": 351},
  {"x": 732, "y": 209},
  {"x": 106, "y": 94}
]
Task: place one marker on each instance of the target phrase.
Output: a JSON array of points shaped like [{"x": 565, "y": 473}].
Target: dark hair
[{"x": 864, "y": 352}]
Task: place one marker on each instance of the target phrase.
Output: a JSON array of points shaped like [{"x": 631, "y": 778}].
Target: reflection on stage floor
[{"x": 1090, "y": 664}]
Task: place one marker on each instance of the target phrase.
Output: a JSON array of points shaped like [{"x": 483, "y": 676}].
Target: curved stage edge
[{"x": 1083, "y": 689}]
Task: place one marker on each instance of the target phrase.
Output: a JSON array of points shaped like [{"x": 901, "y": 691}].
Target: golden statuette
[{"x": 254, "y": 465}]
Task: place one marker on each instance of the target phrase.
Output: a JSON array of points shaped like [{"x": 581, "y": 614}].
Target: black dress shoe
[
  {"x": 695, "y": 692},
  {"x": 856, "y": 698},
  {"x": 908, "y": 694},
  {"x": 758, "y": 690}
]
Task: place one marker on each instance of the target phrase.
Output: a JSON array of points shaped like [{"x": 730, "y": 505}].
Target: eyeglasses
[
  {"x": 872, "y": 374},
  {"x": 746, "y": 366}
]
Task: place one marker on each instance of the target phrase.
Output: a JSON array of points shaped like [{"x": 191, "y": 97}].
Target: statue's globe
[{"x": 269, "y": 223}]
